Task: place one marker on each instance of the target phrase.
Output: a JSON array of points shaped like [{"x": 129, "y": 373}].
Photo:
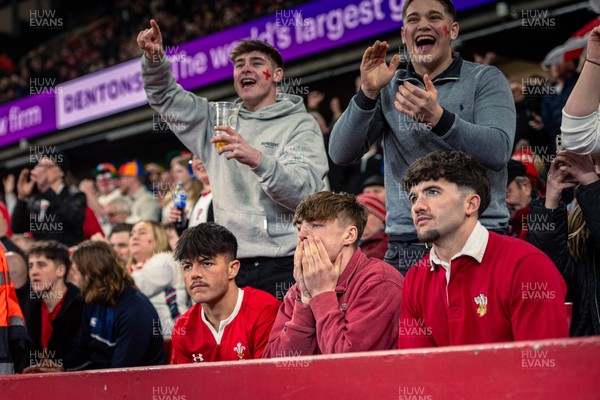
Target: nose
[
  {"x": 196, "y": 273},
  {"x": 303, "y": 232},
  {"x": 419, "y": 205}
]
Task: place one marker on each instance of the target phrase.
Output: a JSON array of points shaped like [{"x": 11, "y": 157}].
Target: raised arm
[{"x": 585, "y": 97}]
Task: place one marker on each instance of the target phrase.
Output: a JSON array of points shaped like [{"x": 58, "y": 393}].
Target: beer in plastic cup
[{"x": 224, "y": 113}]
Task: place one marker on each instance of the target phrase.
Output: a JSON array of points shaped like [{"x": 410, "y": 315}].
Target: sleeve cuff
[
  {"x": 264, "y": 166},
  {"x": 303, "y": 316},
  {"x": 147, "y": 63},
  {"x": 444, "y": 124},
  {"x": 363, "y": 102},
  {"x": 324, "y": 303}
]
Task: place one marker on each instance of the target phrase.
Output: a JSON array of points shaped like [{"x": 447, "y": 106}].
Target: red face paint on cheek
[
  {"x": 267, "y": 75},
  {"x": 446, "y": 32}
]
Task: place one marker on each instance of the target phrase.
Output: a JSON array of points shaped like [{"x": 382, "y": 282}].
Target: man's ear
[
  {"x": 233, "y": 269},
  {"x": 454, "y": 29},
  {"x": 278, "y": 75},
  {"x": 526, "y": 186},
  {"x": 402, "y": 35},
  {"x": 350, "y": 236},
  {"x": 61, "y": 270},
  {"x": 472, "y": 204}
]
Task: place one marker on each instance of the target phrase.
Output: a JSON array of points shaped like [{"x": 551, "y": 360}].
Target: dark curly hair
[{"x": 453, "y": 166}]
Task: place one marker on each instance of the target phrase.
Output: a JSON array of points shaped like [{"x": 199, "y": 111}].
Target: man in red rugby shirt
[
  {"x": 226, "y": 323},
  {"x": 474, "y": 286}
]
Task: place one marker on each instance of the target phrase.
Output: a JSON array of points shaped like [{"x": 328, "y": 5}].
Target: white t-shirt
[
  {"x": 200, "y": 211},
  {"x": 581, "y": 135}
]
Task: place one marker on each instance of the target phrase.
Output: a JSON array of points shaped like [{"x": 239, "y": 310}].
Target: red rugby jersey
[{"x": 242, "y": 336}]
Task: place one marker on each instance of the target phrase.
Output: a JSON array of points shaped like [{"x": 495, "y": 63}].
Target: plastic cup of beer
[{"x": 224, "y": 113}]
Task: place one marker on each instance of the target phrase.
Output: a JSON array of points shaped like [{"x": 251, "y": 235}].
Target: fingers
[
  {"x": 155, "y": 29},
  {"x": 429, "y": 84},
  {"x": 298, "y": 277},
  {"x": 337, "y": 265},
  {"x": 395, "y": 62},
  {"x": 140, "y": 40},
  {"x": 321, "y": 249},
  {"x": 23, "y": 176},
  {"x": 174, "y": 215}
]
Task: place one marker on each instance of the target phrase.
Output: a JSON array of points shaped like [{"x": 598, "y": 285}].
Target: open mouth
[
  {"x": 248, "y": 82},
  {"x": 425, "y": 43}
]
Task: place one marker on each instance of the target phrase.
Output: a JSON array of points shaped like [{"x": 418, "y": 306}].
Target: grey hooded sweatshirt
[{"x": 256, "y": 205}]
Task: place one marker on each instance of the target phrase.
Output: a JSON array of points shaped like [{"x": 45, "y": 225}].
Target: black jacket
[
  {"x": 65, "y": 326},
  {"x": 549, "y": 234},
  {"x": 61, "y": 221}
]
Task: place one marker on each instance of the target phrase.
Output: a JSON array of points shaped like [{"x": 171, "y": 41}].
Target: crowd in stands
[
  {"x": 110, "y": 40},
  {"x": 473, "y": 225}
]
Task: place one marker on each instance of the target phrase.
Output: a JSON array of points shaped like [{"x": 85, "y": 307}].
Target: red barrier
[{"x": 553, "y": 369}]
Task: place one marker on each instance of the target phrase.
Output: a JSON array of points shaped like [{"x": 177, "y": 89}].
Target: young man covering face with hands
[{"x": 342, "y": 301}]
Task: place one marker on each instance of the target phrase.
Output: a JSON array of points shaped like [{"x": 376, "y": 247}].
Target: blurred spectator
[
  {"x": 8, "y": 244},
  {"x": 260, "y": 177},
  {"x": 153, "y": 172},
  {"x": 203, "y": 207},
  {"x": 241, "y": 318},
  {"x": 487, "y": 58},
  {"x": 374, "y": 185},
  {"x": 54, "y": 211},
  {"x": 119, "y": 240},
  {"x": 91, "y": 225},
  {"x": 573, "y": 241},
  {"x": 4, "y": 221},
  {"x": 172, "y": 234},
  {"x": 335, "y": 305},
  {"x": 374, "y": 241},
  {"x": 525, "y": 135},
  {"x": 14, "y": 342},
  {"x": 119, "y": 324},
  {"x": 55, "y": 309},
  {"x": 519, "y": 193},
  {"x": 9, "y": 192},
  {"x": 565, "y": 77},
  {"x": 22, "y": 240},
  {"x": 193, "y": 187},
  {"x": 156, "y": 274},
  {"x": 581, "y": 115},
  {"x": 117, "y": 211},
  {"x": 17, "y": 267},
  {"x": 478, "y": 271},
  {"x": 102, "y": 191},
  {"x": 143, "y": 206}
]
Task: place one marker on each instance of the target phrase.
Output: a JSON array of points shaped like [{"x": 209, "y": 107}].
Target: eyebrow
[
  {"x": 254, "y": 58},
  {"x": 431, "y": 186},
  {"x": 430, "y": 12}
]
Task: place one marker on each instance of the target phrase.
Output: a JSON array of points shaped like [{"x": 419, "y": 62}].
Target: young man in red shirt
[
  {"x": 55, "y": 308},
  {"x": 226, "y": 323},
  {"x": 342, "y": 300},
  {"x": 475, "y": 286}
]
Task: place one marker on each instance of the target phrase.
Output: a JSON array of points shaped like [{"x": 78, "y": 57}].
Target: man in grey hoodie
[
  {"x": 439, "y": 102},
  {"x": 273, "y": 159}
]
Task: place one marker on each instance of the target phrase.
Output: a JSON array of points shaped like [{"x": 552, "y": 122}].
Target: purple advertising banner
[
  {"x": 309, "y": 29},
  {"x": 27, "y": 117}
]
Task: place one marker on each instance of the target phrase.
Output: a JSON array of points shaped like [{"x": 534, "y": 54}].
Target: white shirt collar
[
  {"x": 474, "y": 247},
  {"x": 219, "y": 335}
]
